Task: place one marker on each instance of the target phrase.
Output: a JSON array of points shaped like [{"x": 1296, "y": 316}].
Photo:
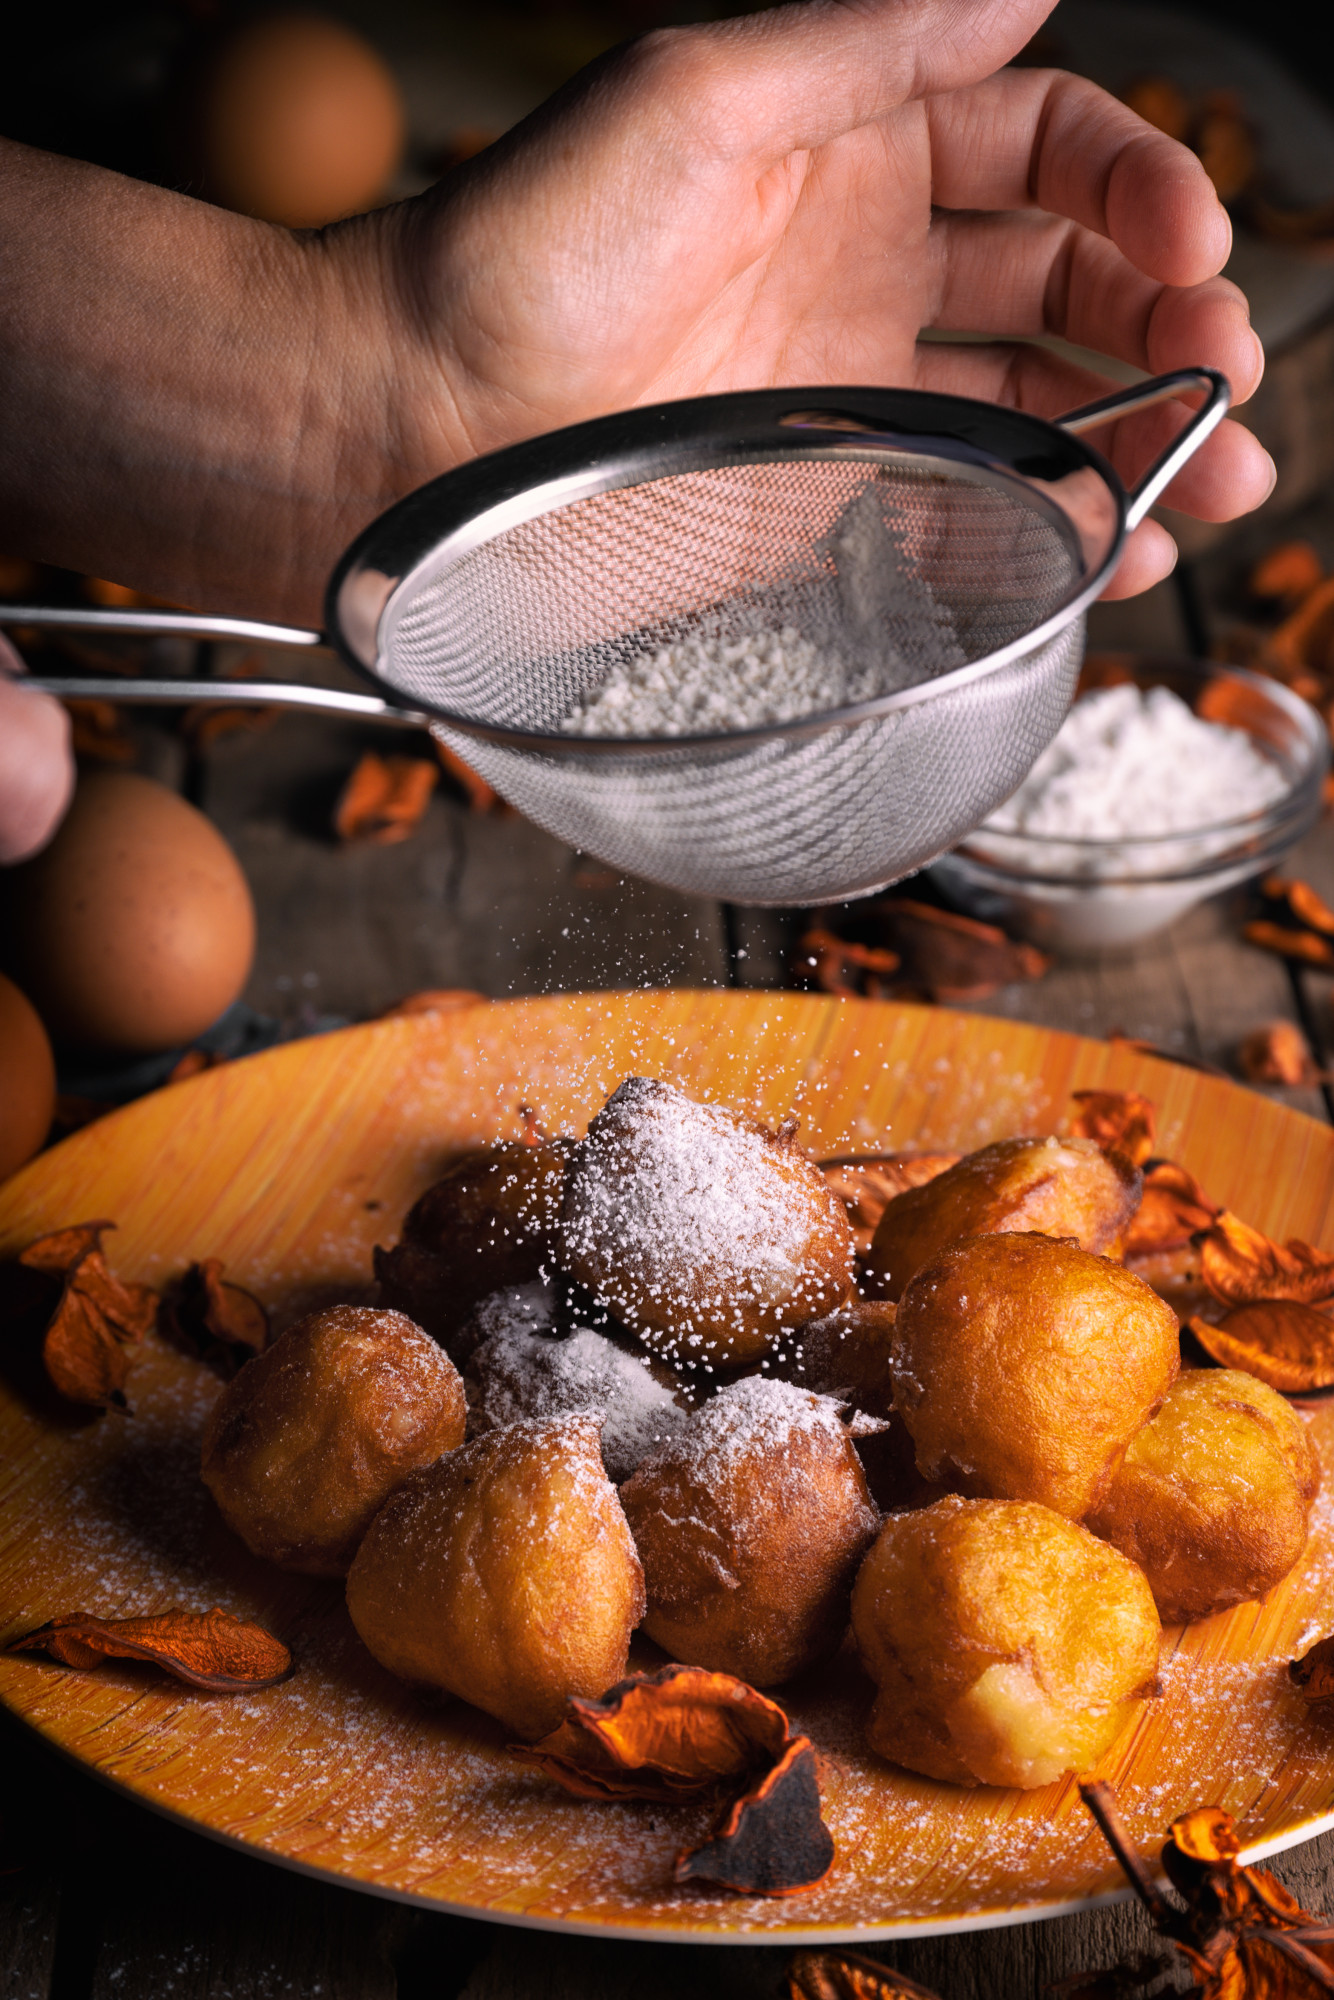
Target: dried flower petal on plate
[
  {"x": 1278, "y": 1053},
  {"x": 1282, "y": 1342},
  {"x": 848, "y": 971},
  {"x": 215, "y": 1318},
  {"x": 1241, "y": 1265},
  {"x": 868, "y": 1183},
  {"x": 384, "y": 799},
  {"x": 681, "y": 1731},
  {"x": 1314, "y": 1672},
  {"x": 1172, "y": 1209},
  {"x": 847, "y": 1975},
  {"x": 95, "y": 1318},
  {"x": 209, "y": 1649},
  {"x": 1120, "y": 1121}
]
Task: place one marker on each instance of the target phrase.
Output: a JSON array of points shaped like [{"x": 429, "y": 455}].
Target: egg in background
[
  {"x": 134, "y": 929},
  {"x": 27, "y": 1080},
  {"x": 296, "y": 119}
]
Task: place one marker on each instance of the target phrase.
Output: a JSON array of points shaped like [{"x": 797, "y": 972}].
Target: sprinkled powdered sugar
[
  {"x": 517, "y": 1373},
  {"x": 756, "y": 1422},
  {"x": 666, "y": 1190}
]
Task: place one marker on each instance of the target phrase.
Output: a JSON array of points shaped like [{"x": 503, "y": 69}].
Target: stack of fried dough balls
[{"x": 986, "y": 1463}]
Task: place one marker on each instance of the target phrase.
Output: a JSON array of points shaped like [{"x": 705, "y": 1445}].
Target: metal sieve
[{"x": 951, "y": 546}]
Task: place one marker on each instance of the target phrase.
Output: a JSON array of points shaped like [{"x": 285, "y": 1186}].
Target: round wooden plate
[{"x": 290, "y": 1166}]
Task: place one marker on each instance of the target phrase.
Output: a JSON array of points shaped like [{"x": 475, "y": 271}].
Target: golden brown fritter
[
  {"x": 310, "y": 1439},
  {"x": 490, "y": 1222},
  {"x": 505, "y": 1574},
  {"x": 1024, "y": 1366},
  {"x": 845, "y": 1354},
  {"x": 1007, "y": 1644},
  {"x": 750, "y": 1522},
  {"x": 1059, "y": 1187},
  {"x": 704, "y": 1232},
  {"x": 1213, "y": 1497}
]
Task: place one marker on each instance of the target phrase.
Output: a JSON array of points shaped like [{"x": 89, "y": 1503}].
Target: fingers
[
  {"x": 794, "y": 77},
  {"x": 1039, "y": 138},
  {"x": 1026, "y": 274},
  {"x": 1229, "y": 475},
  {"x": 36, "y": 767}
]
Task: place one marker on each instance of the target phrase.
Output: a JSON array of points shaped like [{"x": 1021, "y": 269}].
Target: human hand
[
  {"x": 36, "y": 767},
  {"x": 790, "y": 197}
]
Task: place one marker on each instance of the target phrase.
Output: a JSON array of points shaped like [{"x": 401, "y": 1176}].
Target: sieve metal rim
[{"x": 439, "y": 524}]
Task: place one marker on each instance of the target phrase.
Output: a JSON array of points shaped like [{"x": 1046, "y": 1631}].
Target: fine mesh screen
[{"x": 909, "y": 569}]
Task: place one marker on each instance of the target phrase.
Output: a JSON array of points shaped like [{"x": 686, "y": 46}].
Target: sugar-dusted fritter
[
  {"x": 310, "y": 1439},
  {"x": 1023, "y": 1367},
  {"x": 750, "y": 1523},
  {"x": 518, "y": 1372},
  {"x": 1213, "y": 1497},
  {"x": 844, "y": 1354},
  {"x": 706, "y": 1233},
  {"x": 1008, "y": 1645},
  {"x": 490, "y": 1222},
  {"x": 1059, "y": 1187},
  {"x": 505, "y": 1574}
]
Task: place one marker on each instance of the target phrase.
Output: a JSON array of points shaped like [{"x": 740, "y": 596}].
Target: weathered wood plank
[{"x": 29, "y": 1901}]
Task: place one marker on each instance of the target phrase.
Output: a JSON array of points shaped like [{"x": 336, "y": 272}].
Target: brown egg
[
  {"x": 134, "y": 929},
  {"x": 27, "y": 1079},
  {"x": 299, "y": 122}
]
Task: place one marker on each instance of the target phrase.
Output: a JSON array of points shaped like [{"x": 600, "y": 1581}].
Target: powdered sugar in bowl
[{"x": 1169, "y": 781}]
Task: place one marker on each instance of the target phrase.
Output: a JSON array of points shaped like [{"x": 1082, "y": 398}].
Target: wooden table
[{"x": 104, "y": 1900}]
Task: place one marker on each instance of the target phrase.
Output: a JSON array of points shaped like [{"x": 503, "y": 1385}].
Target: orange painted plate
[{"x": 290, "y": 1166}]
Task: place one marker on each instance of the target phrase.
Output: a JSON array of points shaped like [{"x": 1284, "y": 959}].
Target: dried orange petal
[
  {"x": 1278, "y": 1053},
  {"x": 1241, "y": 1265},
  {"x": 1314, "y": 1672},
  {"x": 1173, "y": 1207},
  {"x": 1304, "y": 902},
  {"x": 846, "y": 1975},
  {"x": 384, "y": 799},
  {"x": 1120, "y": 1121},
  {"x": 1304, "y": 945},
  {"x": 772, "y": 1841},
  {"x": 1282, "y": 1342},
  {"x": 209, "y": 1649},
  {"x": 1207, "y": 1834},
  {"x": 868, "y": 1183}
]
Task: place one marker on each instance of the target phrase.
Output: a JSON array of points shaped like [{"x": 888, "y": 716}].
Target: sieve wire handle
[
  {"x": 1143, "y": 396},
  {"x": 223, "y": 694}
]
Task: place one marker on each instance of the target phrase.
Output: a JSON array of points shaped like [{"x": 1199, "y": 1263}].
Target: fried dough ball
[
  {"x": 750, "y": 1523},
  {"x": 1023, "y": 1367},
  {"x": 1007, "y": 1644},
  {"x": 490, "y": 1222},
  {"x": 1058, "y": 1187},
  {"x": 518, "y": 1373},
  {"x": 705, "y": 1233},
  {"x": 1213, "y": 1497},
  {"x": 505, "y": 1574},
  {"x": 846, "y": 1354},
  {"x": 312, "y": 1436}
]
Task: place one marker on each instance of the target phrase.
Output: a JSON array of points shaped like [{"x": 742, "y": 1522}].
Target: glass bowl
[{"x": 1095, "y": 895}]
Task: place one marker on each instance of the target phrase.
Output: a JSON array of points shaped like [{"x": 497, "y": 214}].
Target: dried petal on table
[
  {"x": 1299, "y": 900},
  {"x": 866, "y": 1185},
  {"x": 94, "y": 1320},
  {"x": 1160, "y": 101},
  {"x": 1314, "y": 1672},
  {"x": 193, "y": 1063},
  {"x": 481, "y": 797},
  {"x": 847, "y": 1975},
  {"x": 681, "y": 1731},
  {"x": 848, "y": 971},
  {"x": 1286, "y": 575},
  {"x": 1305, "y": 946},
  {"x": 949, "y": 957},
  {"x": 1172, "y": 1209},
  {"x": 1278, "y": 1053},
  {"x": 209, "y": 1649},
  {"x": 384, "y": 799},
  {"x": 1241, "y": 1265},
  {"x": 1120, "y": 1121},
  {"x": 212, "y": 1317},
  {"x": 1243, "y": 1935},
  {"x": 1304, "y": 642},
  {"x": 1286, "y": 1344}
]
